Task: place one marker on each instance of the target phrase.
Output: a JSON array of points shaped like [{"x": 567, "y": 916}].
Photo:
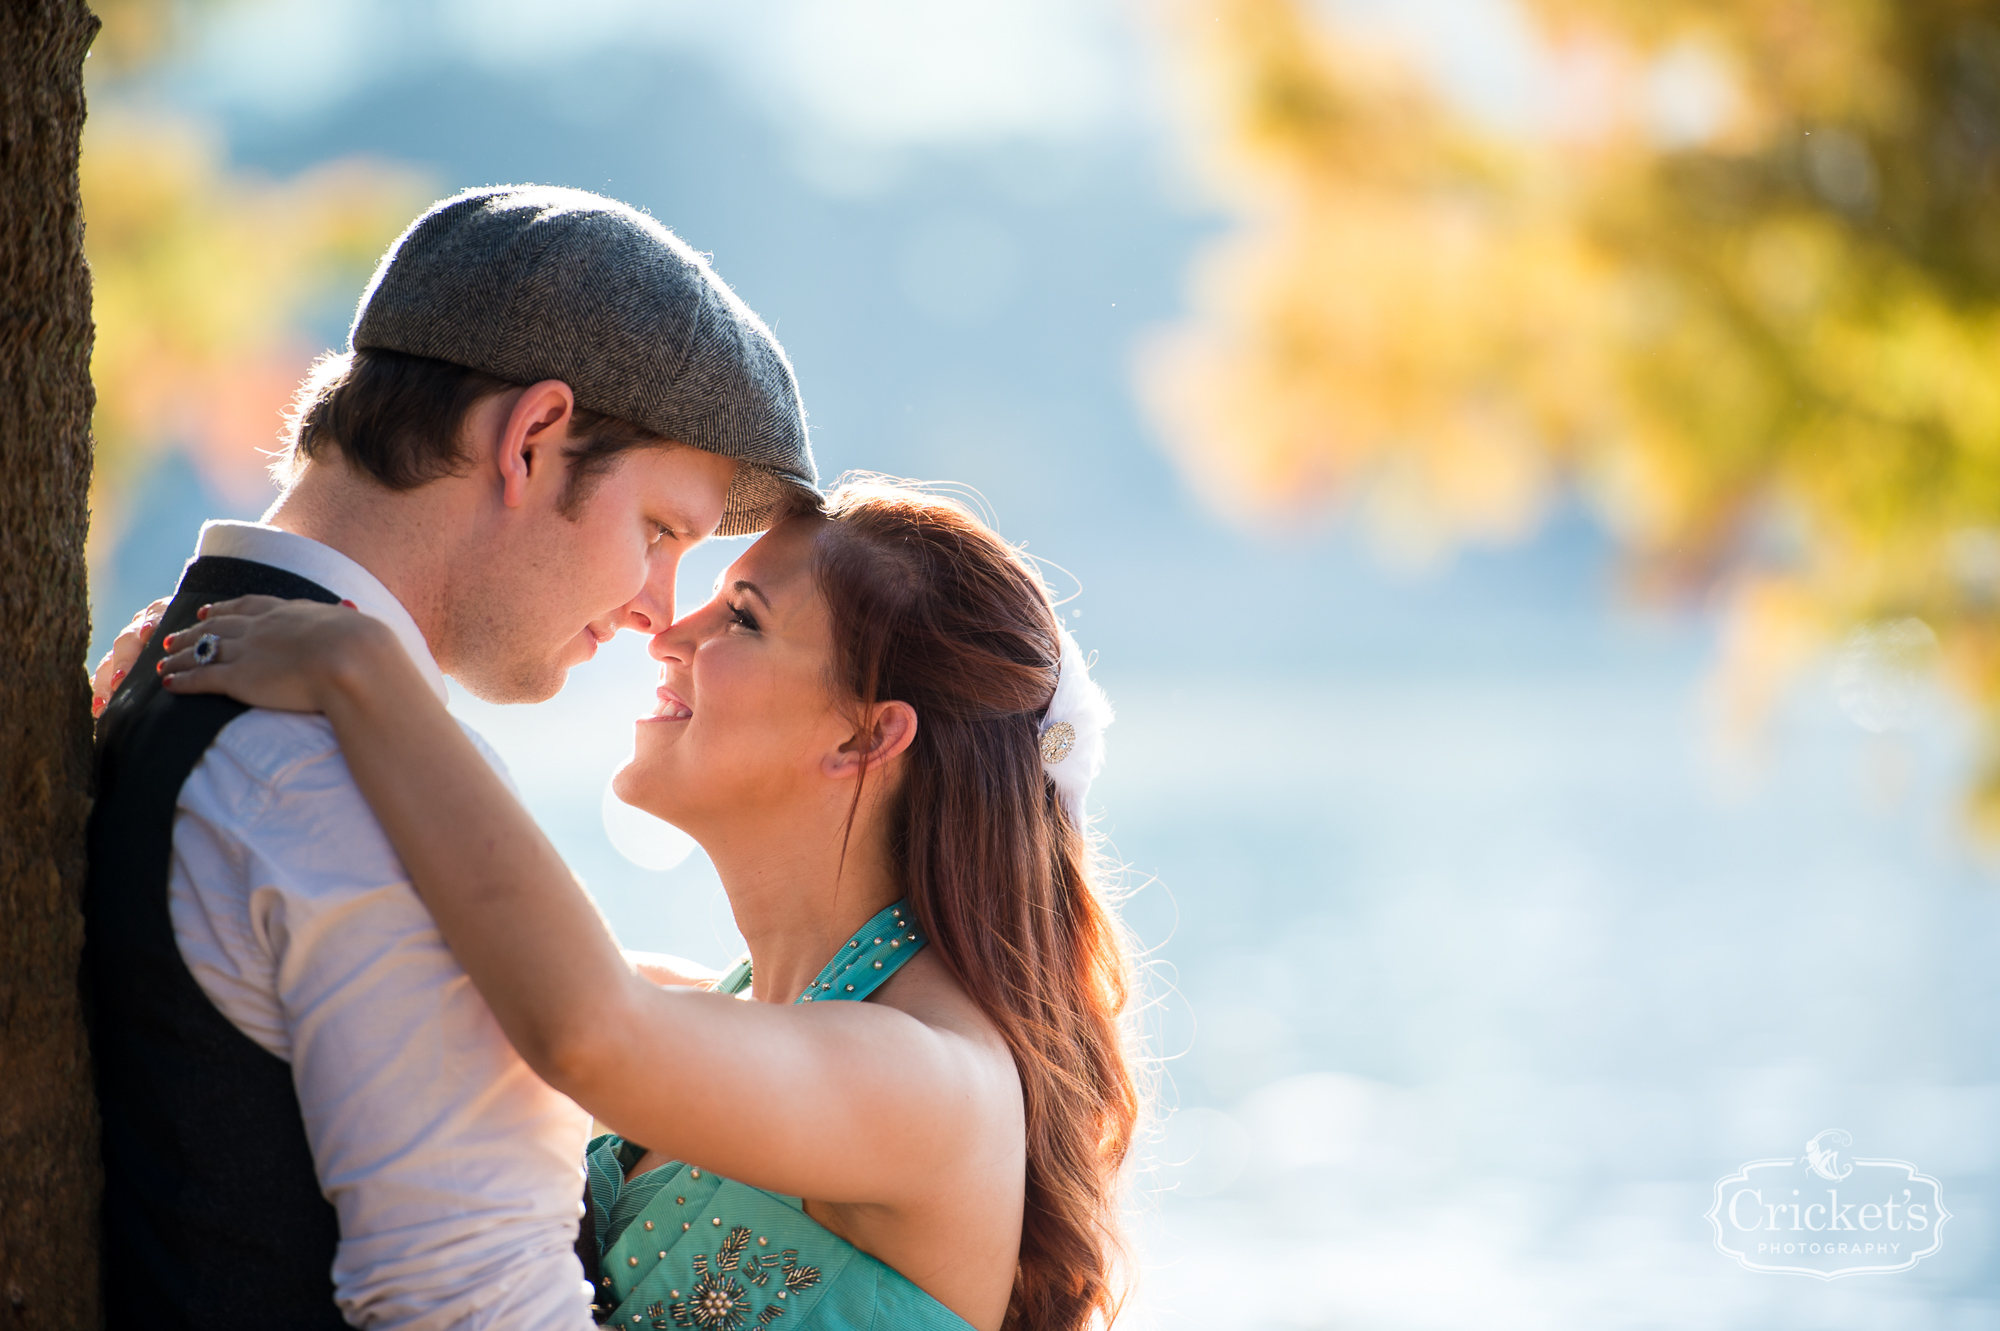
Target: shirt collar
[{"x": 332, "y": 570}]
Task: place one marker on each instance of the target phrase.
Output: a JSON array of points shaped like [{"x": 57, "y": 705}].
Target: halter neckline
[{"x": 876, "y": 951}]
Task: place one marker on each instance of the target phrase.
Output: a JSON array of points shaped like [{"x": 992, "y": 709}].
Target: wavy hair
[{"x": 931, "y": 608}]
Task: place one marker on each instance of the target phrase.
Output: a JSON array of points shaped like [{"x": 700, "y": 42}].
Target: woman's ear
[
  {"x": 885, "y": 732},
  {"x": 531, "y": 438}
]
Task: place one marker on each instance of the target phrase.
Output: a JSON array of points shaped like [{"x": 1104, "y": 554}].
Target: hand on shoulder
[
  {"x": 290, "y": 656},
  {"x": 124, "y": 654}
]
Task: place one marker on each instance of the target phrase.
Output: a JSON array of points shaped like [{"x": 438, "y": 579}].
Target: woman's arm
[{"x": 839, "y": 1102}]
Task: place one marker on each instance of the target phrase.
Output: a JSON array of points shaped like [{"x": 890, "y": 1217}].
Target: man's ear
[
  {"x": 532, "y": 439},
  {"x": 885, "y": 732}
]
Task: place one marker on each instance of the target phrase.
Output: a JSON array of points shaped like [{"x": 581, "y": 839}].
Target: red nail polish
[
  {"x": 117, "y": 675},
  {"x": 159, "y": 667},
  {"x": 350, "y": 605},
  {"x": 201, "y": 613}
]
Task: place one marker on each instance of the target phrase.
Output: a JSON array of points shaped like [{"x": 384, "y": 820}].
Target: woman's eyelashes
[{"x": 742, "y": 616}]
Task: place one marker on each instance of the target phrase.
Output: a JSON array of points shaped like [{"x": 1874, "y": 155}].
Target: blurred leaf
[
  {"x": 1745, "y": 294},
  {"x": 204, "y": 276},
  {"x": 201, "y": 277},
  {"x": 134, "y": 32}
]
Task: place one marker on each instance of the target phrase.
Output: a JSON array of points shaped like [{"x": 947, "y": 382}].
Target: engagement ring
[{"x": 205, "y": 648}]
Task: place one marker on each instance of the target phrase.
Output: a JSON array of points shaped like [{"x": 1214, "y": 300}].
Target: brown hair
[
  {"x": 931, "y": 608},
  {"x": 401, "y": 418}
]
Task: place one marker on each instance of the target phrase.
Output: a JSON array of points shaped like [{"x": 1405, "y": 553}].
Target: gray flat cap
[{"x": 533, "y": 282}]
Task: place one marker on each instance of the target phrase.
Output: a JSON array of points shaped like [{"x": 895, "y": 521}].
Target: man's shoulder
[
  {"x": 299, "y": 750},
  {"x": 281, "y": 749}
]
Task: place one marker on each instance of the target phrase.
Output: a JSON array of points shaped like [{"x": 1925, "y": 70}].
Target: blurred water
[{"x": 1475, "y": 967}]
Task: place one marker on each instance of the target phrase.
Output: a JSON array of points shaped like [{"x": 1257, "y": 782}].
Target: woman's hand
[
  {"x": 671, "y": 972},
  {"x": 289, "y": 656},
  {"x": 125, "y": 649}
]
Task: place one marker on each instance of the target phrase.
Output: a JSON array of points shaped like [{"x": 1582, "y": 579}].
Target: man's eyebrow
[{"x": 753, "y": 589}]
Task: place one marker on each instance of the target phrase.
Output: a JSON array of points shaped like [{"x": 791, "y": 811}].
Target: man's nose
[
  {"x": 647, "y": 615},
  {"x": 653, "y": 608}
]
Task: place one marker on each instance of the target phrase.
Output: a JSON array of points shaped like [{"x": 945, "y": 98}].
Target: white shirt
[{"x": 455, "y": 1171}]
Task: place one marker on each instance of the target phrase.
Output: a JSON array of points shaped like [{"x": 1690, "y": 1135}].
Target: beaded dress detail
[{"x": 681, "y": 1249}]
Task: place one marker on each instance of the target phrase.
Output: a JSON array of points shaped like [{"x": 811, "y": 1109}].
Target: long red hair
[{"x": 931, "y": 608}]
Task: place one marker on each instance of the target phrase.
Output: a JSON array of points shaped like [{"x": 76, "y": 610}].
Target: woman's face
[{"x": 743, "y": 718}]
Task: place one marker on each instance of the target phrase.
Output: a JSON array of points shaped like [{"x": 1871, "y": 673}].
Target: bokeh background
[{"x": 1529, "y": 471}]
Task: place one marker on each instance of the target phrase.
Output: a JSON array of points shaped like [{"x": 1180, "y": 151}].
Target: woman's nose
[
  {"x": 669, "y": 644},
  {"x": 677, "y": 641}
]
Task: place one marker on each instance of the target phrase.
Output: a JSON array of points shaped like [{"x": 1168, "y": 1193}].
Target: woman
[{"x": 880, "y": 734}]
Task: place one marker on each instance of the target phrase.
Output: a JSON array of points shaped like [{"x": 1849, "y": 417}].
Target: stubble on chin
[
  {"x": 521, "y": 682},
  {"x": 495, "y": 666}
]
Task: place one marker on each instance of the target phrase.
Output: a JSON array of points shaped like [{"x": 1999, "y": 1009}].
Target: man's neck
[{"x": 392, "y": 534}]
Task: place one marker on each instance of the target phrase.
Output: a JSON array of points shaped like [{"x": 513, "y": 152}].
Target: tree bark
[{"x": 49, "y": 1155}]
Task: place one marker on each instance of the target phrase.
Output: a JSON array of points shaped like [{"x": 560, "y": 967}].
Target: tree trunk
[{"x": 49, "y": 1157}]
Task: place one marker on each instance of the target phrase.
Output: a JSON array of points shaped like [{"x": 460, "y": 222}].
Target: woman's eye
[
  {"x": 743, "y": 617},
  {"x": 660, "y": 533}
]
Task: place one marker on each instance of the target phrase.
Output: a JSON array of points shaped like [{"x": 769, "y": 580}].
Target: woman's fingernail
[
  {"x": 117, "y": 675},
  {"x": 201, "y": 613},
  {"x": 166, "y": 681},
  {"x": 96, "y": 706},
  {"x": 159, "y": 667},
  {"x": 350, "y": 605}
]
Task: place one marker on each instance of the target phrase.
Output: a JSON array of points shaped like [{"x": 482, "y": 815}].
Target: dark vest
[{"x": 213, "y": 1216}]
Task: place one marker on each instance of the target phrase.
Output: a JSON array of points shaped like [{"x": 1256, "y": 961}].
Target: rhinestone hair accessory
[{"x": 1072, "y": 735}]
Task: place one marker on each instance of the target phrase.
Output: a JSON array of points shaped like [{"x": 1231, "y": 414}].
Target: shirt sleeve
[{"x": 455, "y": 1171}]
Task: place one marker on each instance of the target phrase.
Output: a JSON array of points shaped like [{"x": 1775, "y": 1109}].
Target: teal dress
[{"x": 680, "y": 1247}]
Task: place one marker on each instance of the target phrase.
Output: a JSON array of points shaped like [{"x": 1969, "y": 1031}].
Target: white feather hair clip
[{"x": 1073, "y": 729}]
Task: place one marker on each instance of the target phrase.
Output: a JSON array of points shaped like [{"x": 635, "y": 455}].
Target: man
[{"x": 309, "y": 1113}]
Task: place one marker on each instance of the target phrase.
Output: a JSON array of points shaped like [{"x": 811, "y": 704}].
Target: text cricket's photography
[
  {"x": 1264, "y": 664},
  {"x": 1786, "y": 1215}
]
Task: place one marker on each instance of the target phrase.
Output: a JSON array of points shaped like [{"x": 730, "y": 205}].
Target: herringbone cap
[{"x": 533, "y": 282}]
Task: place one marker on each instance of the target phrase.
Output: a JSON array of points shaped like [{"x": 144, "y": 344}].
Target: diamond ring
[{"x": 205, "y": 648}]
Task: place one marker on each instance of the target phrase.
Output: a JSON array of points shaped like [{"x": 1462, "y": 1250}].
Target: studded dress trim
[
  {"x": 680, "y": 1249},
  {"x": 877, "y": 951}
]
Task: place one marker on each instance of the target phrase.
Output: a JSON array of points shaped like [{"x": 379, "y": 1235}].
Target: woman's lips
[{"x": 668, "y": 707}]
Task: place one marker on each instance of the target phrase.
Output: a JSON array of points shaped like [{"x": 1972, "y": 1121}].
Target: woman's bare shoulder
[{"x": 926, "y": 991}]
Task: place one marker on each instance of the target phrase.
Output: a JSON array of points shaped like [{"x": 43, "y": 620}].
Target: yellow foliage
[
  {"x": 133, "y": 32},
  {"x": 1759, "y": 329},
  {"x": 1398, "y": 321},
  {"x": 200, "y": 276}
]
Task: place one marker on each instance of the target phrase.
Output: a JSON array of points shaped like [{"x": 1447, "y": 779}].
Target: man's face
[{"x": 552, "y": 587}]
